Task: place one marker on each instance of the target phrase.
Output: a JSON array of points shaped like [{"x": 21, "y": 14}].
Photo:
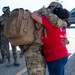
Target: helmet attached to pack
[
  {"x": 6, "y": 8},
  {"x": 55, "y": 4}
]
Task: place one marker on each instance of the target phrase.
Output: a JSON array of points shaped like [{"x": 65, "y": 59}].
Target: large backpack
[
  {"x": 16, "y": 24},
  {"x": 19, "y": 27}
]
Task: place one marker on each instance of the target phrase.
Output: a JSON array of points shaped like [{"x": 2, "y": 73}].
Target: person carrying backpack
[
  {"x": 54, "y": 51},
  {"x": 34, "y": 59}
]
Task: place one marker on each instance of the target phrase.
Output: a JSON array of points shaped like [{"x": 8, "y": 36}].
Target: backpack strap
[
  {"x": 45, "y": 33},
  {"x": 25, "y": 49}
]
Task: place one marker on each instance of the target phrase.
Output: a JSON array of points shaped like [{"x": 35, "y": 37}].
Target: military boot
[
  {"x": 9, "y": 63},
  {"x": 16, "y": 62},
  {"x": 2, "y": 60}
]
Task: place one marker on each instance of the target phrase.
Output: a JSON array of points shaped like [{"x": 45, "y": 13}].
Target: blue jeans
[{"x": 57, "y": 67}]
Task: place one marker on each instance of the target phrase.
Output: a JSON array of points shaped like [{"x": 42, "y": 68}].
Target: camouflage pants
[
  {"x": 35, "y": 61},
  {"x": 14, "y": 52},
  {"x": 4, "y": 47}
]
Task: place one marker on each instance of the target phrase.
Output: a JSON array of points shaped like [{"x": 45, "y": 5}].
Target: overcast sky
[{"x": 34, "y": 4}]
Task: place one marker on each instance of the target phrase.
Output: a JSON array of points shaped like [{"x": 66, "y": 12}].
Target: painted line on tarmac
[
  {"x": 70, "y": 40},
  {"x": 21, "y": 72},
  {"x": 71, "y": 55}
]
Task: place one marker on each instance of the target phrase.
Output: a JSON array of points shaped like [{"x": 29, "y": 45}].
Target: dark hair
[
  {"x": 66, "y": 14},
  {"x": 62, "y": 13}
]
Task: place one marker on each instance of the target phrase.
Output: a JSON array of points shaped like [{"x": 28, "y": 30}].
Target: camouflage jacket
[
  {"x": 2, "y": 24},
  {"x": 52, "y": 18}
]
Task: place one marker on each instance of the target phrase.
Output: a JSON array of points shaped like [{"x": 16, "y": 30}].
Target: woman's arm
[{"x": 36, "y": 17}]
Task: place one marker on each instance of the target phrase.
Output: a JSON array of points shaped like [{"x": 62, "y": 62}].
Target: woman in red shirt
[{"x": 55, "y": 53}]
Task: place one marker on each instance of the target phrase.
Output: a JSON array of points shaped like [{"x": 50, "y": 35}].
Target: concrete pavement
[{"x": 70, "y": 68}]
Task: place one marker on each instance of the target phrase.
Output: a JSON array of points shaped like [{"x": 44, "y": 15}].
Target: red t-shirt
[{"x": 53, "y": 47}]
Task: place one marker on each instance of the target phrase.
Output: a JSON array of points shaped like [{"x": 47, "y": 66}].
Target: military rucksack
[{"x": 19, "y": 27}]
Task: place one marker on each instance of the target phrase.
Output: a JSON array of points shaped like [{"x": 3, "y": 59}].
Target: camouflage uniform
[
  {"x": 34, "y": 61},
  {"x": 4, "y": 44},
  {"x": 14, "y": 54},
  {"x": 54, "y": 19}
]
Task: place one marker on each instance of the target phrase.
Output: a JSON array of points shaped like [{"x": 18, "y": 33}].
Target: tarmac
[{"x": 22, "y": 70}]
